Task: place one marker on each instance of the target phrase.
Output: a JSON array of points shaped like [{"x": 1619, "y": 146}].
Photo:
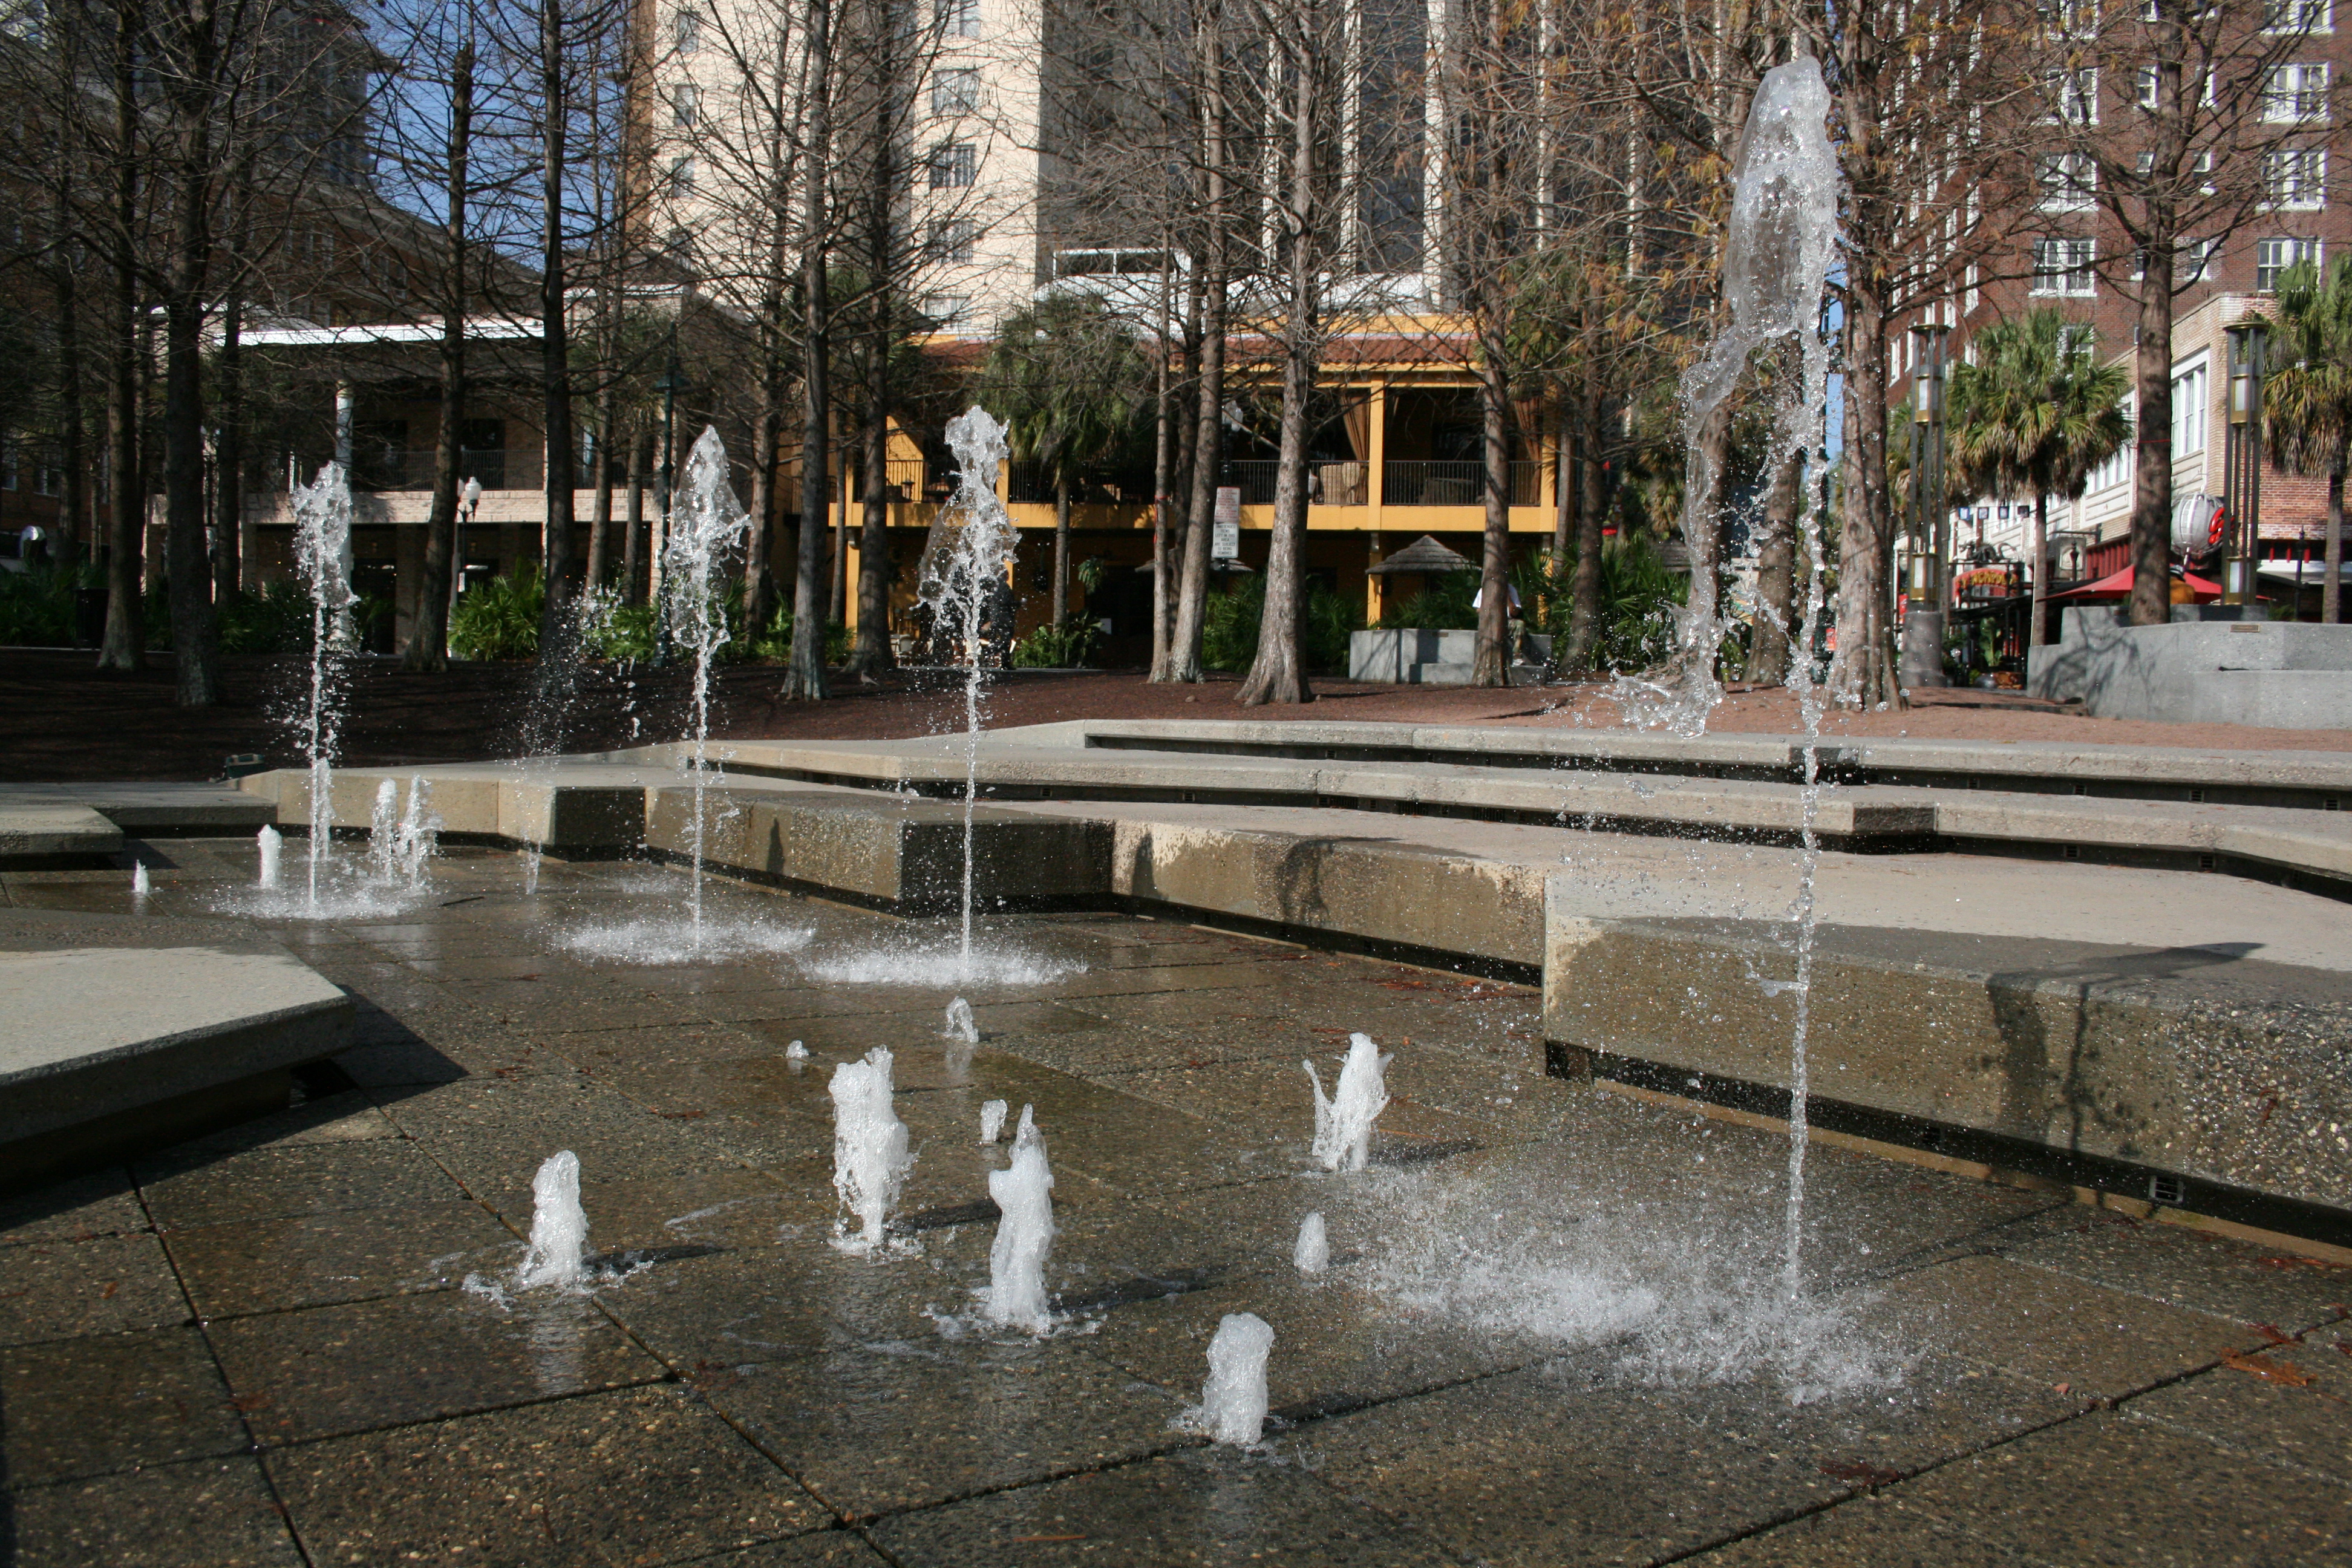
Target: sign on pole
[{"x": 1225, "y": 531}]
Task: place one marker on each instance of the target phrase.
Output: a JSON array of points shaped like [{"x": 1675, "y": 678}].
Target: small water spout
[
  {"x": 1343, "y": 1122},
  {"x": 708, "y": 523},
  {"x": 869, "y": 1149},
  {"x": 271, "y": 843},
  {"x": 1024, "y": 1233},
  {"x": 417, "y": 837},
  {"x": 139, "y": 885},
  {"x": 992, "y": 1120},
  {"x": 322, "y": 555},
  {"x": 1313, "y": 1253},
  {"x": 383, "y": 825},
  {"x": 960, "y": 1026},
  {"x": 963, "y": 571},
  {"x": 559, "y": 1226},
  {"x": 1233, "y": 1400}
]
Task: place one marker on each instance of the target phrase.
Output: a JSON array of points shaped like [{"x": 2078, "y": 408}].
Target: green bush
[
  {"x": 271, "y": 619},
  {"x": 1063, "y": 646},
  {"x": 499, "y": 619},
  {"x": 1442, "y": 605},
  {"x": 36, "y": 604},
  {"x": 1229, "y": 621}
]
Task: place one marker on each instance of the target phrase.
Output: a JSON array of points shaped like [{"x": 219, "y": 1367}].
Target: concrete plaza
[{"x": 1552, "y": 1334}]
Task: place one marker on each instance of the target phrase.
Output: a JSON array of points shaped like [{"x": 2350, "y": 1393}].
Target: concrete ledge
[
  {"x": 903, "y": 852},
  {"x": 2199, "y": 1061},
  {"x": 2282, "y": 674},
  {"x": 105, "y": 1035},
  {"x": 32, "y": 831}
]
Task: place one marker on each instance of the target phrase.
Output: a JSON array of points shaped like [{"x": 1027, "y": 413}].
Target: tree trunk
[
  {"x": 74, "y": 537},
  {"x": 2038, "y": 634},
  {"x": 429, "y": 628},
  {"x": 633, "y": 560},
  {"x": 1773, "y": 632},
  {"x": 124, "y": 646},
  {"x": 600, "y": 515},
  {"x": 1163, "y": 465},
  {"x": 1863, "y": 671},
  {"x": 1061, "y": 551},
  {"x": 1279, "y": 672},
  {"x": 1491, "y": 660},
  {"x": 871, "y": 654},
  {"x": 228, "y": 454},
  {"x": 1171, "y": 554},
  {"x": 1564, "y": 496},
  {"x": 556, "y": 624},
  {"x": 2151, "y": 525},
  {"x": 767, "y": 459},
  {"x": 1208, "y": 441},
  {"x": 1584, "y": 600},
  {"x": 806, "y": 678},
  {"x": 2331, "y": 581},
  {"x": 193, "y": 129}
]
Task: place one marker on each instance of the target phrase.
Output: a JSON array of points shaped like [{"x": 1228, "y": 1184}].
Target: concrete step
[{"x": 124, "y": 1034}]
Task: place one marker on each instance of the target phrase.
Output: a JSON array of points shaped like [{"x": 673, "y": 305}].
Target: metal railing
[
  {"x": 1455, "y": 483},
  {"x": 1329, "y": 483},
  {"x": 905, "y": 477},
  {"x": 498, "y": 468}
]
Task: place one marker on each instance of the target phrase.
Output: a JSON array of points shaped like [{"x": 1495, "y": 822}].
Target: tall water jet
[
  {"x": 383, "y": 826},
  {"x": 322, "y": 556},
  {"x": 1777, "y": 248},
  {"x": 1312, "y": 1254},
  {"x": 139, "y": 884},
  {"x": 1233, "y": 1400},
  {"x": 992, "y": 1120},
  {"x": 559, "y": 1226},
  {"x": 418, "y": 834},
  {"x": 869, "y": 1149},
  {"x": 964, "y": 565},
  {"x": 1343, "y": 1122},
  {"x": 1024, "y": 1192},
  {"x": 706, "y": 522},
  {"x": 271, "y": 843}
]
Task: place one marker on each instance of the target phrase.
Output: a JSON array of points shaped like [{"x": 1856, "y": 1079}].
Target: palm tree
[
  {"x": 2307, "y": 407},
  {"x": 1070, "y": 381},
  {"x": 2035, "y": 412}
]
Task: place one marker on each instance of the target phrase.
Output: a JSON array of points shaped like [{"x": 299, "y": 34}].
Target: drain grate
[{"x": 2169, "y": 1190}]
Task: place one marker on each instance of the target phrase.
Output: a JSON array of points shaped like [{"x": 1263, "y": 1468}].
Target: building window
[
  {"x": 1976, "y": 295},
  {"x": 684, "y": 102},
  {"x": 2117, "y": 467},
  {"x": 2296, "y": 180},
  {"x": 2068, "y": 181},
  {"x": 679, "y": 183},
  {"x": 2064, "y": 267},
  {"x": 2297, "y": 16},
  {"x": 953, "y": 166},
  {"x": 947, "y": 309},
  {"x": 955, "y": 92},
  {"x": 2273, "y": 257},
  {"x": 959, "y": 18},
  {"x": 2075, "y": 97},
  {"x": 2294, "y": 94},
  {"x": 2191, "y": 388},
  {"x": 2189, "y": 260},
  {"x": 685, "y": 31},
  {"x": 951, "y": 240}
]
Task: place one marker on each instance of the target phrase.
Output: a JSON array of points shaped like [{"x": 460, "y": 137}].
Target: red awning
[{"x": 2119, "y": 586}]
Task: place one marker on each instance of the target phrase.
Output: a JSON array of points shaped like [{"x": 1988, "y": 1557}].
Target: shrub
[
  {"x": 36, "y": 604},
  {"x": 1229, "y": 621},
  {"x": 499, "y": 619},
  {"x": 1063, "y": 646},
  {"x": 271, "y": 619}
]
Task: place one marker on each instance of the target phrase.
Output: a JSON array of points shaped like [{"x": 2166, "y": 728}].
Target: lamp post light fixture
[
  {"x": 1931, "y": 512},
  {"x": 2242, "y": 466}
]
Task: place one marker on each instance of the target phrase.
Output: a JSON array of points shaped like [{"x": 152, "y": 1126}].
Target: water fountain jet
[
  {"x": 322, "y": 556},
  {"x": 1312, "y": 1254},
  {"x": 1343, "y": 1122},
  {"x": 1024, "y": 1192},
  {"x": 869, "y": 1149},
  {"x": 1233, "y": 1400},
  {"x": 559, "y": 1226}
]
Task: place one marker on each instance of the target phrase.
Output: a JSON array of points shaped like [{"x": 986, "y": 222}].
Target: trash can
[{"x": 89, "y": 617}]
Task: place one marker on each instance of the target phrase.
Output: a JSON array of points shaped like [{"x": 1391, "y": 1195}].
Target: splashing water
[
  {"x": 139, "y": 885},
  {"x": 322, "y": 556},
  {"x": 272, "y": 844},
  {"x": 1782, "y": 229},
  {"x": 383, "y": 825},
  {"x": 960, "y": 1024},
  {"x": 1234, "y": 1401},
  {"x": 418, "y": 835},
  {"x": 1313, "y": 1253},
  {"x": 928, "y": 968},
  {"x": 708, "y": 522},
  {"x": 992, "y": 1120},
  {"x": 869, "y": 1149},
  {"x": 559, "y": 1226},
  {"x": 1024, "y": 1233},
  {"x": 1343, "y": 1123},
  {"x": 963, "y": 566}
]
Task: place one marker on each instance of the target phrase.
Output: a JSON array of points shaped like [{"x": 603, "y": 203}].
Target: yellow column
[{"x": 1376, "y": 480}]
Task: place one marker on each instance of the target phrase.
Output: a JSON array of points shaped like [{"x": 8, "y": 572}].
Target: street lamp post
[
  {"x": 2241, "y": 467},
  {"x": 1923, "y": 622}
]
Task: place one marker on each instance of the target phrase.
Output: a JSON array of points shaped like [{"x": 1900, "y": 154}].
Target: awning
[
  {"x": 2119, "y": 586},
  {"x": 1424, "y": 554}
]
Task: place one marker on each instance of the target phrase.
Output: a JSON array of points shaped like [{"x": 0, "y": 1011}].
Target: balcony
[{"x": 1455, "y": 483}]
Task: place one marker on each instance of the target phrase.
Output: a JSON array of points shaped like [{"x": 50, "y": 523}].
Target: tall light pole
[
  {"x": 2242, "y": 468},
  {"x": 1923, "y": 620}
]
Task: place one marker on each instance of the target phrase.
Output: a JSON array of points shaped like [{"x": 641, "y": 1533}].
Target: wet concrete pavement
[{"x": 1553, "y": 1333}]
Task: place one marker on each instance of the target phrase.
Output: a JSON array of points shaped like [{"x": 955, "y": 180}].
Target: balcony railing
[
  {"x": 498, "y": 468},
  {"x": 1455, "y": 483},
  {"x": 1327, "y": 483}
]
